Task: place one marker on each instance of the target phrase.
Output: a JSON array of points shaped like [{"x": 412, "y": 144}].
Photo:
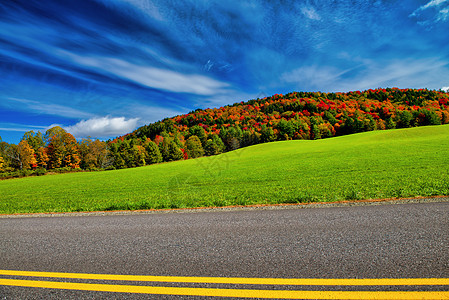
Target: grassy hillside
[{"x": 377, "y": 164}]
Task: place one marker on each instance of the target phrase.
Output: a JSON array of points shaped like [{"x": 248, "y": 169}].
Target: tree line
[
  {"x": 58, "y": 151},
  {"x": 206, "y": 132}
]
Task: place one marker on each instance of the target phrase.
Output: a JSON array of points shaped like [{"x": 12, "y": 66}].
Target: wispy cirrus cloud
[
  {"x": 432, "y": 3},
  {"x": 314, "y": 76},
  {"x": 21, "y": 127},
  {"x": 310, "y": 13},
  {"x": 443, "y": 14},
  {"x": 402, "y": 73},
  {"x": 369, "y": 74},
  {"x": 152, "y": 77},
  {"x": 148, "y": 7},
  {"x": 39, "y": 107}
]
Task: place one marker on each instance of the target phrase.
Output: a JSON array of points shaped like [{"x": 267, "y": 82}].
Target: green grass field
[{"x": 380, "y": 164}]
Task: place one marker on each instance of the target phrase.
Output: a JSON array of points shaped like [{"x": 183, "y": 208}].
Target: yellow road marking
[
  {"x": 236, "y": 280},
  {"x": 242, "y": 293}
]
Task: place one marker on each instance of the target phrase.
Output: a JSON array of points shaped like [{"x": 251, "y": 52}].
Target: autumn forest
[{"x": 206, "y": 132}]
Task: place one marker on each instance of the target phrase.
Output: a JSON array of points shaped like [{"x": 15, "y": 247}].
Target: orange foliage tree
[{"x": 63, "y": 150}]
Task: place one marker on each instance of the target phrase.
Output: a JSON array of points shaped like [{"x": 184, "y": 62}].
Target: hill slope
[
  {"x": 377, "y": 164},
  {"x": 294, "y": 116}
]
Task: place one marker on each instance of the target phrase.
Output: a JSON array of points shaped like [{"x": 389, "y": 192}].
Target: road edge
[{"x": 346, "y": 203}]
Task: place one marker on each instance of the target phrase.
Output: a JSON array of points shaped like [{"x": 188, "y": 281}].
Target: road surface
[{"x": 380, "y": 241}]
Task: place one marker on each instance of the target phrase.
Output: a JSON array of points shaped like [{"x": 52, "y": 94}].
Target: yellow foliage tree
[{"x": 26, "y": 157}]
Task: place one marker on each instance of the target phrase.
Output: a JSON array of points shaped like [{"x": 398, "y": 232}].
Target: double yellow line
[{"x": 235, "y": 293}]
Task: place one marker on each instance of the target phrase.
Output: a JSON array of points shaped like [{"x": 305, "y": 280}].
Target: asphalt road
[{"x": 381, "y": 241}]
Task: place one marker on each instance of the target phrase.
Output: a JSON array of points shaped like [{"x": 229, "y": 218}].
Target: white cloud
[
  {"x": 46, "y": 108},
  {"x": 102, "y": 127},
  {"x": 153, "y": 77},
  {"x": 445, "y": 88}
]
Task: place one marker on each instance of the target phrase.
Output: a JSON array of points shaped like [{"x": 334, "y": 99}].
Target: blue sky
[{"x": 103, "y": 68}]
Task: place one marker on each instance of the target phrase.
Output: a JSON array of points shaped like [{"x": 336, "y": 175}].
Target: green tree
[
  {"x": 170, "y": 151},
  {"x": 199, "y": 132},
  {"x": 35, "y": 140},
  {"x": 127, "y": 153},
  {"x": 231, "y": 137},
  {"x": 330, "y": 117},
  {"x": 250, "y": 138},
  {"x": 352, "y": 125},
  {"x": 390, "y": 124},
  {"x": 286, "y": 130},
  {"x": 370, "y": 123},
  {"x": 432, "y": 118},
  {"x": 119, "y": 162},
  {"x": 193, "y": 147},
  {"x": 315, "y": 132},
  {"x": 174, "y": 152},
  {"x": 211, "y": 148},
  {"x": 138, "y": 154},
  {"x": 219, "y": 142},
  {"x": 154, "y": 156},
  {"x": 405, "y": 119},
  {"x": 178, "y": 138},
  {"x": 267, "y": 134},
  {"x": 4, "y": 153},
  {"x": 113, "y": 154},
  {"x": 246, "y": 138}
]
